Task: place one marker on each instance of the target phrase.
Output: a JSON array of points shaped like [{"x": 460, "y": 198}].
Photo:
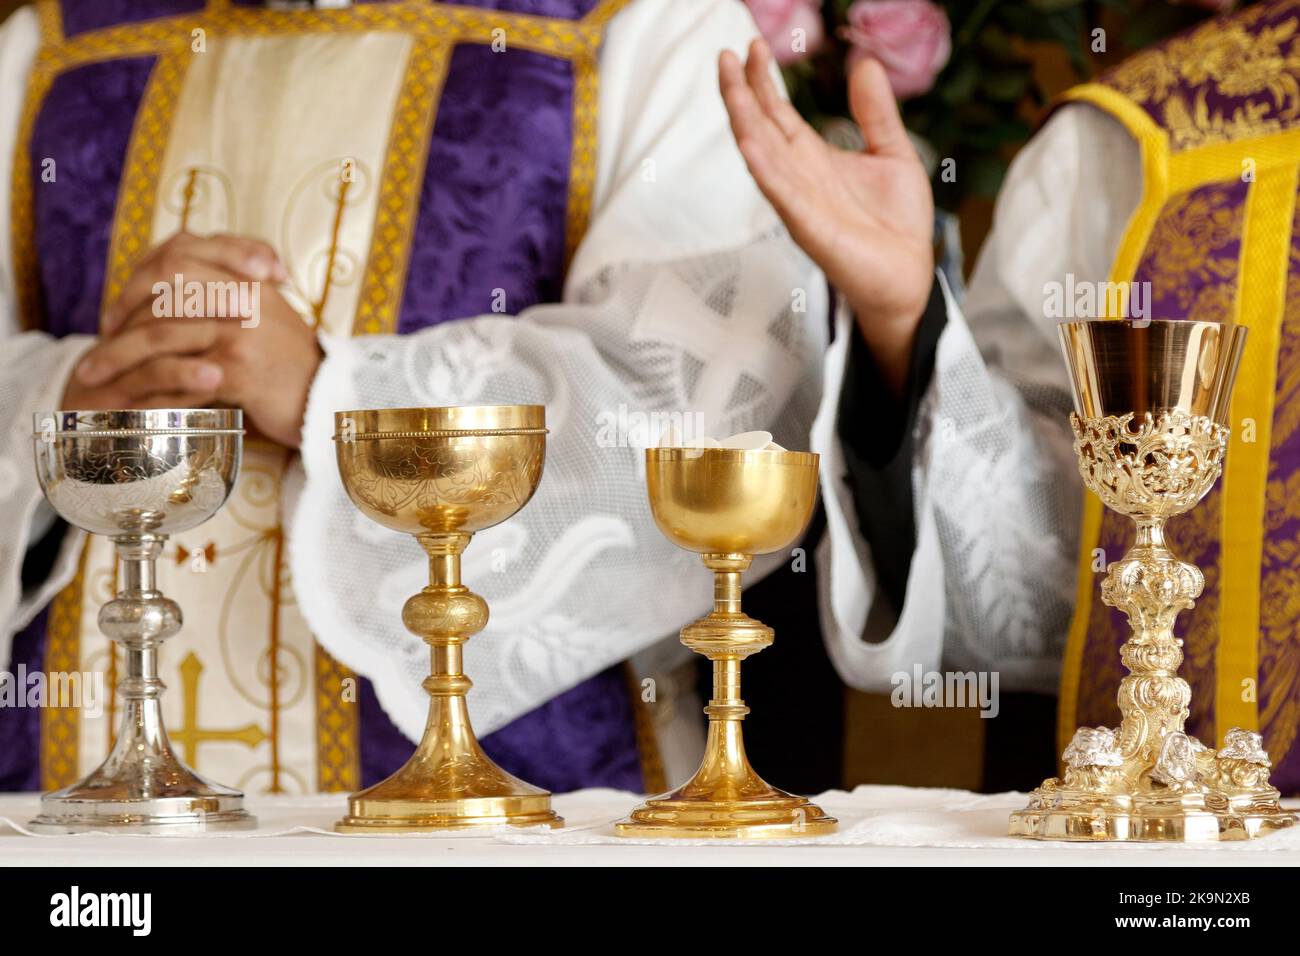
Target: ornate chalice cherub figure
[{"x": 1150, "y": 433}]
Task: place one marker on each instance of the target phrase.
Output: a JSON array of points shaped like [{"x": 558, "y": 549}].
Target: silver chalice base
[{"x": 137, "y": 477}]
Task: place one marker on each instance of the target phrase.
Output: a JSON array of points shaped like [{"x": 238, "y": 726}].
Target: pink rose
[
  {"x": 792, "y": 28},
  {"x": 910, "y": 38}
]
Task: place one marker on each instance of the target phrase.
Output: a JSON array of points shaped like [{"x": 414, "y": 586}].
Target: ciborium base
[
  {"x": 1201, "y": 817},
  {"x": 691, "y": 815}
]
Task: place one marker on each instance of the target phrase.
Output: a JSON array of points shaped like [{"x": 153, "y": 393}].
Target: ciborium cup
[
  {"x": 728, "y": 505},
  {"x": 1151, "y": 426},
  {"x": 137, "y": 477},
  {"x": 442, "y": 474}
]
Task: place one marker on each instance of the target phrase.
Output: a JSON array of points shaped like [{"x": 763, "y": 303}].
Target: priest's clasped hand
[{"x": 263, "y": 363}]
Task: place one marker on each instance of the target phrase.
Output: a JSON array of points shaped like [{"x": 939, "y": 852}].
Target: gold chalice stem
[
  {"x": 445, "y": 615},
  {"x": 449, "y": 782}
]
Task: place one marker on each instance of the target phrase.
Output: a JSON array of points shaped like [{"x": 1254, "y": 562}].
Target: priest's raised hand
[
  {"x": 865, "y": 218},
  {"x": 200, "y": 350}
]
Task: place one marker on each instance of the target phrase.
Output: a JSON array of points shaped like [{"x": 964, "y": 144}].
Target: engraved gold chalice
[
  {"x": 137, "y": 477},
  {"x": 442, "y": 474},
  {"x": 1150, "y": 433},
  {"x": 728, "y": 505}
]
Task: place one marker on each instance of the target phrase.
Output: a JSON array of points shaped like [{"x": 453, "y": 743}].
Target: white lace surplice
[
  {"x": 996, "y": 490},
  {"x": 684, "y": 297}
]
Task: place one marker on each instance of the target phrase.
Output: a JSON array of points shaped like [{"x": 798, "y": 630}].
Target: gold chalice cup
[
  {"x": 1150, "y": 432},
  {"x": 441, "y": 474},
  {"x": 728, "y": 505}
]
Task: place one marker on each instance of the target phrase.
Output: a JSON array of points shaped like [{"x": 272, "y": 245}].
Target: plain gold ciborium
[
  {"x": 1150, "y": 434},
  {"x": 441, "y": 474},
  {"x": 728, "y": 505}
]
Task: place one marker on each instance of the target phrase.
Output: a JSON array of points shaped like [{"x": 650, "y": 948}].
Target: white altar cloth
[{"x": 878, "y": 825}]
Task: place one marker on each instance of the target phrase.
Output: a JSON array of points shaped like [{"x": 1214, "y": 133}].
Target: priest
[
  {"x": 473, "y": 202},
  {"x": 1175, "y": 173}
]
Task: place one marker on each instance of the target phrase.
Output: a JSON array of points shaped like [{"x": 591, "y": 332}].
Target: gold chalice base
[{"x": 465, "y": 791}]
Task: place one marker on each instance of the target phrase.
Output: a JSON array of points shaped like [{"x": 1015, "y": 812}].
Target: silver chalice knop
[{"x": 137, "y": 477}]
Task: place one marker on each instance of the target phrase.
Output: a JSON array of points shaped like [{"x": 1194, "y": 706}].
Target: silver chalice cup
[{"x": 137, "y": 477}]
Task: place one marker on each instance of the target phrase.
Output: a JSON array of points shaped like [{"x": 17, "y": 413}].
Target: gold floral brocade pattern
[{"x": 1222, "y": 82}]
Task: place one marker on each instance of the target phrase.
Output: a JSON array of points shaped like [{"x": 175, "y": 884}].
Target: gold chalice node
[
  {"x": 728, "y": 505},
  {"x": 1150, "y": 432},
  {"x": 441, "y": 474}
]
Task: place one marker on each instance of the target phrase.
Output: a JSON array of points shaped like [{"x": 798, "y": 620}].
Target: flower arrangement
[{"x": 974, "y": 76}]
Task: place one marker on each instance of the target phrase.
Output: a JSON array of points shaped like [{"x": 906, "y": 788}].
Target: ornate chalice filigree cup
[
  {"x": 441, "y": 474},
  {"x": 137, "y": 477},
  {"x": 728, "y": 505},
  {"x": 1150, "y": 432}
]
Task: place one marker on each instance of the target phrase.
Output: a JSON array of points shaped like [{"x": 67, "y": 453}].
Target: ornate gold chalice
[
  {"x": 137, "y": 477},
  {"x": 1150, "y": 432},
  {"x": 441, "y": 474},
  {"x": 728, "y": 505}
]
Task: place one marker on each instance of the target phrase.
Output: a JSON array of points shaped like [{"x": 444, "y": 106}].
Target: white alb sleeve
[
  {"x": 33, "y": 369},
  {"x": 686, "y": 296},
  {"x": 995, "y": 487}
]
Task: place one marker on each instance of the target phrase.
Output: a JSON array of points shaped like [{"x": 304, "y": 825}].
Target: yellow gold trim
[
  {"x": 399, "y": 189},
  {"x": 1222, "y": 162},
  {"x": 137, "y": 191},
  {"x": 1265, "y": 263},
  {"x": 1153, "y": 145},
  {"x": 50, "y": 16},
  {"x": 653, "y": 777},
  {"x": 1067, "y": 706},
  {"x": 338, "y": 750},
  {"x": 582, "y": 169},
  {"x": 61, "y": 726}
]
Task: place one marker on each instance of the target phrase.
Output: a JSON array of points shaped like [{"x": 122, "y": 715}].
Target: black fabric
[
  {"x": 876, "y": 429},
  {"x": 1020, "y": 742},
  {"x": 39, "y": 560}
]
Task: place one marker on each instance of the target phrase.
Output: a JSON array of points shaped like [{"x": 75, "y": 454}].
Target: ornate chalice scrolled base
[
  {"x": 728, "y": 505},
  {"x": 1148, "y": 780},
  {"x": 441, "y": 474},
  {"x": 136, "y": 476}
]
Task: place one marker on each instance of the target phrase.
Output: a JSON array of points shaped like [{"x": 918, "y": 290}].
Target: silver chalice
[{"x": 137, "y": 477}]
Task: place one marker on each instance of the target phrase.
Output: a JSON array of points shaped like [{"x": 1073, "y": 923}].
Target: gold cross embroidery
[{"x": 190, "y": 734}]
